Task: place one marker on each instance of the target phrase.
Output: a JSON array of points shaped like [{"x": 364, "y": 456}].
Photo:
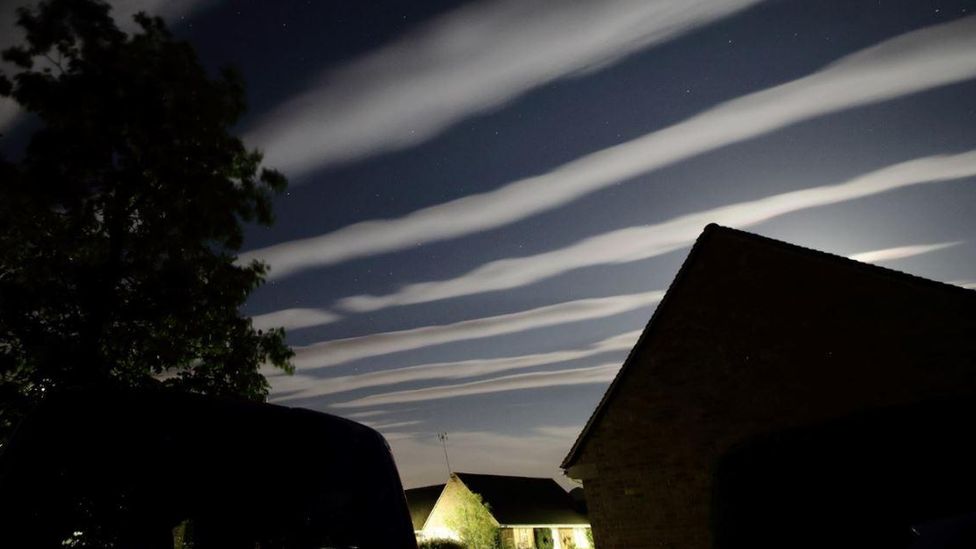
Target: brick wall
[{"x": 755, "y": 338}]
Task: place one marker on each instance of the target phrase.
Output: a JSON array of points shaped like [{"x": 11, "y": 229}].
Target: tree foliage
[
  {"x": 543, "y": 538},
  {"x": 471, "y": 519},
  {"x": 120, "y": 223}
]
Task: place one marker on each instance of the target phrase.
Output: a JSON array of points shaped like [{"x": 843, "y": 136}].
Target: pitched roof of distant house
[
  {"x": 714, "y": 237},
  {"x": 421, "y": 502},
  {"x": 524, "y": 500}
]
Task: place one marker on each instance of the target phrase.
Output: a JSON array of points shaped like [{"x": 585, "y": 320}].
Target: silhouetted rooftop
[
  {"x": 523, "y": 500},
  {"x": 765, "y": 254},
  {"x": 421, "y": 502}
]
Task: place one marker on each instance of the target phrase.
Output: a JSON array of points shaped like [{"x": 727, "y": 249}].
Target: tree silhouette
[{"x": 120, "y": 223}]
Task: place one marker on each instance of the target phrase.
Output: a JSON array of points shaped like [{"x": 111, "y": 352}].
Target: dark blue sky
[{"x": 539, "y": 168}]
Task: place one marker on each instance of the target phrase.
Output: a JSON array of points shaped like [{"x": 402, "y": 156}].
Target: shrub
[{"x": 543, "y": 538}]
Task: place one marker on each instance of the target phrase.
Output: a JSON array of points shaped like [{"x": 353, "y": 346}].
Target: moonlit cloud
[
  {"x": 369, "y": 413},
  {"x": 463, "y": 63},
  {"x": 293, "y": 319},
  {"x": 911, "y": 63},
  {"x": 330, "y": 353},
  {"x": 646, "y": 241},
  {"x": 386, "y": 427},
  {"x": 900, "y": 252},
  {"x": 455, "y": 370},
  {"x": 603, "y": 373}
]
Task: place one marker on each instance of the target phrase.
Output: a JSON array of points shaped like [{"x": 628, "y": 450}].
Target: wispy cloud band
[
  {"x": 335, "y": 352},
  {"x": 603, "y": 373},
  {"x": 293, "y": 319},
  {"x": 911, "y": 63},
  {"x": 461, "y": 369},
  {"x": 643, "y": 242},
  {"x": 469, "y": 60},
  {"x": 900, "y": 252}
]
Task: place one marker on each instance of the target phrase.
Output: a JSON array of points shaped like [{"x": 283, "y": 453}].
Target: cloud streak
[
  {"x": 911, "y": 63},
  {"x": 387, "y": 427},
  {"x": 335, "y": 352},
  {"x": 900, "y": 252},
  {"x": 316, "y": 387},
  {"x": 293, "y": 319},
  {"x": 643, "y": 242},
  {"x": 463, "y": 63},
  {"x": 603, "y": 373}
]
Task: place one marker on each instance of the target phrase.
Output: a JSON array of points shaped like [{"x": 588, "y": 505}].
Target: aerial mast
[{"x": 443, "y": 438}]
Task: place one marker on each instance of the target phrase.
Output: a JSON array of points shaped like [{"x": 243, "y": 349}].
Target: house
[
  {"x": 421, "y": 502},
  {"x": 851, "y": 382},
  {"x": 523, "y": 508}
]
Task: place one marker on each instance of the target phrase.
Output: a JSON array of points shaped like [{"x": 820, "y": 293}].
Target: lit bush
[{"x": 543, "y": 538}]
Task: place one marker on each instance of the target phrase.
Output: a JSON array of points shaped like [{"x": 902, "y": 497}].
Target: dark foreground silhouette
[
  {"x": 156, "y": 469},
  {"x": 904, "y": 477}
]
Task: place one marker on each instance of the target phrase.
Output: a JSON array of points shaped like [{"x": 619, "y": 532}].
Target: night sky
[{"x": 488, "y": 199}]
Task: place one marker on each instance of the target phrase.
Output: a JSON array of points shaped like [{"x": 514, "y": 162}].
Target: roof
[
  {"x": 524, "y": 500},
  {"x": 714, "y": 237},
  {"x": 421, "y": 502}
]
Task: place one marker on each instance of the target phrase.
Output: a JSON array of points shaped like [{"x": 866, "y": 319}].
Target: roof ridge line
[{"x": 709, "y": 230}]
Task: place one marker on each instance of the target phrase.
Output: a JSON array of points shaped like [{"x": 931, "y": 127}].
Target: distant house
[
  {"x": 421, "y": 502},
  {"x": 804, "y": 352},
  {"x": 523, "y": 508}
]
